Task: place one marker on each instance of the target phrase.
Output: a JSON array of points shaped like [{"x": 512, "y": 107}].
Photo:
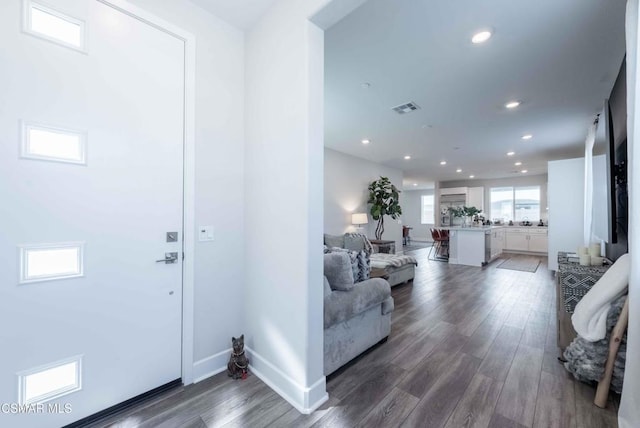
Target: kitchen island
[
  {"x": 479, "y": 245},
  {"x": 468, "y": 245}
]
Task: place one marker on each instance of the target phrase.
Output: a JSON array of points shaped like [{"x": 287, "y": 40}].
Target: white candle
[
  {"x": 583, "y": 251},
  {"x": 585, "y": 259},
  {"x": 597, "y": 261},
  {"x": 594, "y": 250}
]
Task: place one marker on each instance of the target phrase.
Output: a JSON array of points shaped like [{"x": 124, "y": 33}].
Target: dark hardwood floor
[{"x": 469, "y": 347}]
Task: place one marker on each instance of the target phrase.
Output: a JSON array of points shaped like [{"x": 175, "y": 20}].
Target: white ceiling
[
  {"x": 559, "y": 58},
  {"x": 240, "y": 13}
]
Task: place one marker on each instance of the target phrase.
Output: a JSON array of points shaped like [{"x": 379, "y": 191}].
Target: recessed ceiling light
[
  {"x": 518, "y": 163},
  {"x": 511, "y": 153},
  {"x": 407, "y": 157},
  {"x": 512, "y": 104},
  {"x": 481, "y": 37},
  {"x": 527, "y": 136},
  {"x": 443, "y": 162},
  {"x": 366, "y": 85},
  {"x": 472, "y": 176},
  {"x": 415, "y": 184},
  {"x": 524, "y": 171},
  {"x": 365, "y": 141},
  {"x": 458, "y": 170}
]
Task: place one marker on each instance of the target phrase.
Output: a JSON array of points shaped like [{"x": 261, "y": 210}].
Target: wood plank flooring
[{"x": 469, "y": 347}]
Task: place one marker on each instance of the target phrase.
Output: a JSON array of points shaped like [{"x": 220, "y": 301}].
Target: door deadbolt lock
[{"x": 169, "y": 258}]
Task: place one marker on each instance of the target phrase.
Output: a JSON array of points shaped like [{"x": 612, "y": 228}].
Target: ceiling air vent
[{"x": 406, "y": 108}]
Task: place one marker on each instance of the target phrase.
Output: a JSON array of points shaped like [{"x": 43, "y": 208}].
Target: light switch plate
[{"x": 205, "y": 233}]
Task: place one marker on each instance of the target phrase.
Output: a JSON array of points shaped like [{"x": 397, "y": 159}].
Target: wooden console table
[
  {"x": 573, "y": 282},
  {"x": 383, "y": 246}
]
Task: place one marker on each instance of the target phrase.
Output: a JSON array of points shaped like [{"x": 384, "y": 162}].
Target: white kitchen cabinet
[
  {"x": 526, "y": 240},
  {"x": 538, "y": 243},
  {"x": 475, "y": 198},
  {"x": 566, "y": 202},
  {"x": 516, "y": 241},
  {"x": 453, "y": 191}
]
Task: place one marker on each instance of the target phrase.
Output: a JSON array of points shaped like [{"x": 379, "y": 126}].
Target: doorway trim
[{"x": 188, "y": 198}]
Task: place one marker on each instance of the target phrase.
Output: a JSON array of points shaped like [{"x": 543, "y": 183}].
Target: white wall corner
[
  {"x": 210, "y": 366},
  {"x": 305, "y": 399}
]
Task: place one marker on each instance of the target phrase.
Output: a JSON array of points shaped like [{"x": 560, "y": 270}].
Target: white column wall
[
  {"x": 566, "y": 181},
  {"x": 629, "y": 414},
  {"x": 283, "y": 192}
]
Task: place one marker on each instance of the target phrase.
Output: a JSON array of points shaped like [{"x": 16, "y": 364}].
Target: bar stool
[
  {"x": 439, "y": 243},
  {"x": 444, "y": 236}
]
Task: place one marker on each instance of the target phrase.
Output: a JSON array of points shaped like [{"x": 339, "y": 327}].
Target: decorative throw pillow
[
  {"x": 364, "y": 266},
  {"x": 360, "y": 263},
  {"x": 353, "y": 242},
  {"x": 334, "y": 241},
  {"x": 357, "y": 242},
  {"x": 337, "y": 269}
]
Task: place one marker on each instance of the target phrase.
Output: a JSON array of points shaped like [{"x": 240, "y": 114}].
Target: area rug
[
  {"x": 416, "y": 245},
  {"x": 523, "y": 264}
]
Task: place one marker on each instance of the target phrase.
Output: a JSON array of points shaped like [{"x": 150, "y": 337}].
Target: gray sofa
[
  {"x": 395, "y": 275},
  {"x": 356, "y": 315}
]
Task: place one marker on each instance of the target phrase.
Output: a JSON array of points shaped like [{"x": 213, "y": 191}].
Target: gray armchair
[{"x": 356, "y": 316}]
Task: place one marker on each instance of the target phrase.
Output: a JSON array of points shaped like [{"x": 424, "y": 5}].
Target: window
[
  {"x": 427, "y": 211},
  {"x": 51, "y": 381},
  {"x": 502, "y": 203},
  {"x": 53, "y": 144},
  {"x": 49, "y": 24},
  {"x": 527, "y": 203},
  {"x": 51, "y": 261},
  {"x": 515, "y": 203}
]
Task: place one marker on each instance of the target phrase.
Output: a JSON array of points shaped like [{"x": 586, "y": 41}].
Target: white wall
[
  {"x": 522, "y": 180},
  {"x": 346, "y": 179},
  {"x": 283, "y": 192},
  {"x": 566, "y": 205},
  {"x": 219, "y": 189},
  {"x": 412, "y": 214}
]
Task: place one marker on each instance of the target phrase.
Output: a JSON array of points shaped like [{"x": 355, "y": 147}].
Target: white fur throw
[{"x": 590, "y": 316}]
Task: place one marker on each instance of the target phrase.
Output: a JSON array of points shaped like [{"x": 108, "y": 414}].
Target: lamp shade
[{"x": 359, "y": 218}]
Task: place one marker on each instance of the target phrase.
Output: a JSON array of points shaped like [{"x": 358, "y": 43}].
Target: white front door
[{"x": 91, "y": 181}]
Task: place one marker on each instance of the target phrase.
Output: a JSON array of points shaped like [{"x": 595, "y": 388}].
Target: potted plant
[
  {"x": 384, "y": 200},
  {"x": 456, "y": 211},
  {"x": 464, "y": 212},
  {"x": 472, "y": 213}
]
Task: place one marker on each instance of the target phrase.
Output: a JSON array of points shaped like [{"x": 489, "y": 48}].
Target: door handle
[{"x": 169, "y": 258}]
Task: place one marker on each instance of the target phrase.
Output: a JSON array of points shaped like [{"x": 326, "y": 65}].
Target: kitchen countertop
[{"x": 488, "y": 228}]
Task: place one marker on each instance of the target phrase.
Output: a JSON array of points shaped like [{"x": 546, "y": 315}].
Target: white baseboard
[
  {"x": 304, "y": 399},
  {"x": 211, "y": 365}
]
